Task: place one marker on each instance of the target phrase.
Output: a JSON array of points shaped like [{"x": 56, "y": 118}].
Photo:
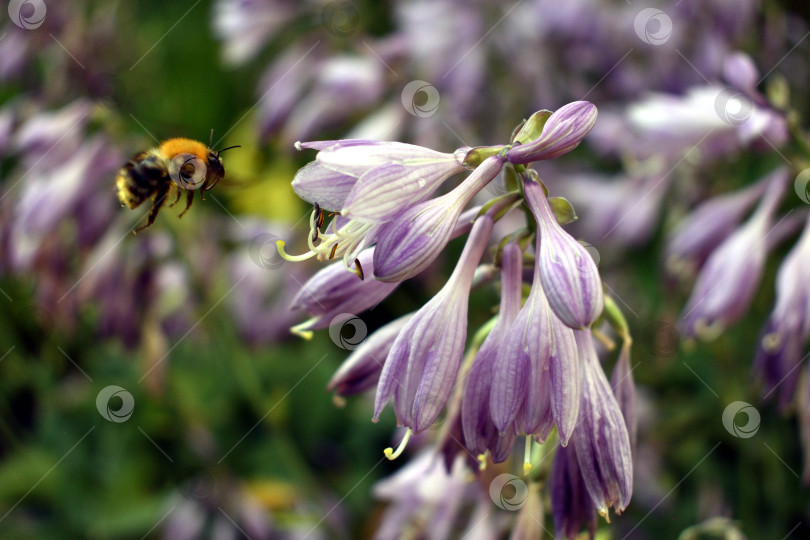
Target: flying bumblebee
[{"x": 176, "y": 165}]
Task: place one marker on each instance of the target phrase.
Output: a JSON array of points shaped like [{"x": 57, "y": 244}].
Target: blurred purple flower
[
  {"x": 702, "y": 230},
  {"x": 728, "y": 281},
  {"x": 425, "y": 499},
  {"x": 246, "y": 25},
  {"x": 782, "y": 342}
]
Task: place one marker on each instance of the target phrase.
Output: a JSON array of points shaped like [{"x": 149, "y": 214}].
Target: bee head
[{"x": 215, "y": 169}]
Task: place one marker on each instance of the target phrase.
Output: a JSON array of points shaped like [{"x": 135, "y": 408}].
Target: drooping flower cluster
[{"x": 531, "y": 370}]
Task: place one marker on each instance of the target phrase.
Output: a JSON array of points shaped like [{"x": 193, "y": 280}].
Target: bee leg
[
  {"x": 160, "y": 198},
  {"x": 176, "y": 198},
  {"x": 189, "y": 200}
]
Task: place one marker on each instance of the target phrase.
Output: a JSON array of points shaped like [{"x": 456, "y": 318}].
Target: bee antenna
[
  {"x": 211, "y": 139},
  {"x": 229, "y": 148}
]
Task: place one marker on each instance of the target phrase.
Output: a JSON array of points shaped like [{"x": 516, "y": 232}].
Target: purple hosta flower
[
  {"x": 424, "y": 498},
  {"x": 728, "y": 280},
  {"x": 332, "y": 290},
  {"x": 361, "y": 370},
  {"x": 343, "y": 85},
  {"x": 408, "y": 245},
  {"x": 715, "y": 117},
  {"x": 624, "y": 388},
  {"x": 480, "y": 433},
  {"x": 571, "y": 504},
  {"x": 739, "y": 71},
  {"x": 421, "y": 368},
  {"x": 221, "y": 506},
  {"x": 700, "y": 232},
  {"x": 567, "y": 271},
  {"x": 601, "y": 440},
  {"x": 535, "y": 379},
  {"x": 245, "y": 26},
  {"x": 562, "y": 132},
  {"x": 782, "y": 344},
  {"x": 369, "y": 183},
  {"x": 49, "y": 193},
  {"x": 45, "y": 141},
  {"x": 349, "y": 172},
  {"x": 621, "y": 210},
  {"x": 282, "y": 84}
]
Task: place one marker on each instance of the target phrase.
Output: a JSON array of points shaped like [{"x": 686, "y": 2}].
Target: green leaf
[{"x": 563, "y": 210}]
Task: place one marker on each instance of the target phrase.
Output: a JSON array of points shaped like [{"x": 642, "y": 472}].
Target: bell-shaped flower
[
  {"x": 424, "y": 499},
  {"x": 409, "y": 244},
  {"x": 480, "y": 433},
  {"x": 361, "y": 370},
  {"x": 707, "y": 226},
  {"x": 423, "y": 364},
  {"x": 535, "y": 377},
  {"x": 782, "y": 343},
  {"x": 571, "y": 505},
  {"x": 378, "y": 180},
  {"x": 602, "y": 443},
  {"x": 727, "y": 282},
  {"x": 567, "y": 271},
  {"x": 562, "y": 132},
  {"x": 403, "y": 172},
  {"x": 333, "y": 290},
  {"x": 624, "y": 388}
]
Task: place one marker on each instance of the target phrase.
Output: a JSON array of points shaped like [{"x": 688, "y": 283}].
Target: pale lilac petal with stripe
[
  {"x": 567, "y": 271},
  {"x": 423, "y": 363},
  {"x": 361, "y": 370},
  {"x": 408, "y": 245},
  {"x": 480, "y": 433},
  {"x": 563, "y": 132},
  {"x": 602, "y": 442}
]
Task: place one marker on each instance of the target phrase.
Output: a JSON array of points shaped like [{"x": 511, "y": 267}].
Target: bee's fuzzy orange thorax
[{"x": 172, "y": 147}]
